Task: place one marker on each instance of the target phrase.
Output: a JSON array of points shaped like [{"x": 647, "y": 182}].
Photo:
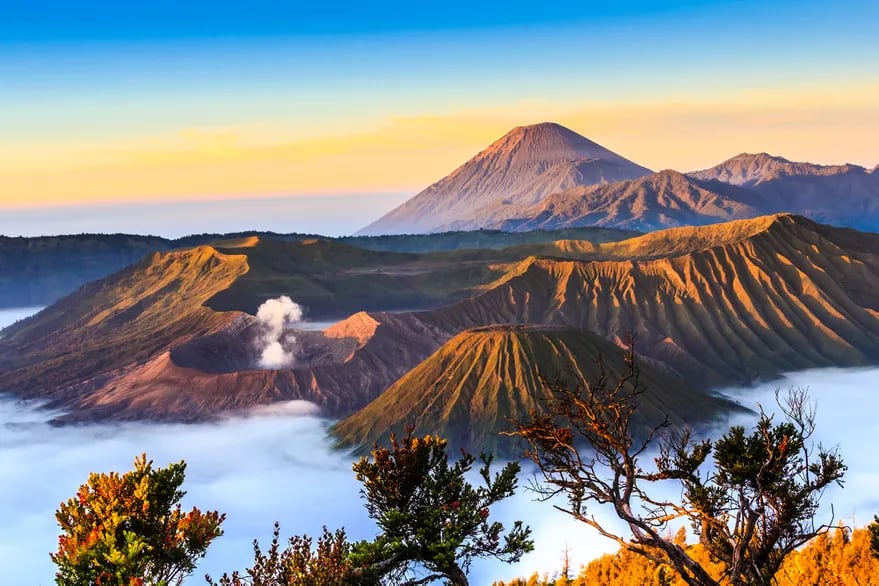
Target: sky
[{"x": 109, "y": 103}]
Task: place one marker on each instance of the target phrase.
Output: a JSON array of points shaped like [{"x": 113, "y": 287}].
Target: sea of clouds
[{"x": 276, "y": 463}]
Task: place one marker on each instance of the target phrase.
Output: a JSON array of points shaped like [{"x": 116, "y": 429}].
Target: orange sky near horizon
[{"x": 405, "y": 154}]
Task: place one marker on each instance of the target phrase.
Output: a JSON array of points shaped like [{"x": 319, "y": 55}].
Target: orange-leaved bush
[{"x": 130, "y": 529}]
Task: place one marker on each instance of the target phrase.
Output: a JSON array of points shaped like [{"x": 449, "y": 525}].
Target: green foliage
[
  {"x": 430, "y": 515},
  {"x": 874, "y": 536},
  {"x": 431, "y": 519},
  {"x": 299, "y": 564},
  {"x": 130, "y": 529},
  {"x": 759, "y": 503}
]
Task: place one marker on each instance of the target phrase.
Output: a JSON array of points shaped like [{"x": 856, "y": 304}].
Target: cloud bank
[{"x": 277, "y": 464}]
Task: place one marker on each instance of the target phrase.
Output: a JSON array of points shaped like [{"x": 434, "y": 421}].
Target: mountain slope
[
  {"x": 521, "y": 167},
  {"x": 121, "y": 320},
  {"x": 656, "y": 201},
  {"x": 466, "y": 390},
  {"x": 842, "y": 195},
  {"x": 737, "y": 302}
]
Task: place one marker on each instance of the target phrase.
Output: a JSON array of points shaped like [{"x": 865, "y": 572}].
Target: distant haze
[{"x": 329, "y": 215}]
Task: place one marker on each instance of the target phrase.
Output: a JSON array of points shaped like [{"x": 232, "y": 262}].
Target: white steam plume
[{"x": 274, "y": 315}]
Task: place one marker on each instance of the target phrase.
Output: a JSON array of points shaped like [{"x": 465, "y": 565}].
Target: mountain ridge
[
  {"x": 730, "y": 312},
  {"x": 525, "y": 181},
  {"x": 657, "y": 201},
  {"x": 751, "y": 169},
  {"x": 725, "y": 304},
  {"x": 38, "y": 271}
]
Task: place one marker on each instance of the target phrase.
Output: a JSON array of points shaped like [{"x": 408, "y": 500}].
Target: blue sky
[
  {"x": 148, "y": 101},
  {"x": 129, "y": 21}
]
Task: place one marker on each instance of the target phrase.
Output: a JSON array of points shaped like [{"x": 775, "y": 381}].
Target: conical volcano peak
[
  {"x": 520, "y": 168},
  {"x": 470, "y": 387},
  {"x": 549, "y": 141}
]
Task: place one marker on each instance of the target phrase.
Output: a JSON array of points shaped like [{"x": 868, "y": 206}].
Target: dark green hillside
[{"x": 482, "y": 239}]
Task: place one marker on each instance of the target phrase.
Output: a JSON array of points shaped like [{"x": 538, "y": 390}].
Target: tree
[
  {"x": 874, "y": 536},
  {"x": 430, "y": 516},
  {"x": 299, "y": 564},
  {"x": 130, "y": 529},
  {"x": 750, "y": 510}
]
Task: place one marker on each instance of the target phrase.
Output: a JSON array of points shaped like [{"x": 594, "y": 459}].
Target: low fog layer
[{"x": 276, "y": 463}]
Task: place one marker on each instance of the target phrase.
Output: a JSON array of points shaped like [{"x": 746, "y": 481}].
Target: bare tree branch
[{"x": 754, "y": 506}]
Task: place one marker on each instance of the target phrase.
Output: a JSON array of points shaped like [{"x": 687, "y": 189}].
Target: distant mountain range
[
  {"x": 174, "y": 337},
  {"x": 41, "y": 270},
  {"x": 547, "y": 176}
]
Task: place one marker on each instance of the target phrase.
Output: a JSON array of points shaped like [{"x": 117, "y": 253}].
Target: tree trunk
[{"x": 457, "y": 577}]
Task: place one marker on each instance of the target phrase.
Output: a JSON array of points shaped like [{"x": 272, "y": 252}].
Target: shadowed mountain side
[
  {"x": 520, "y": 168},
  {"x": 842, "y": 195},
  {"x": 333, "y": 280},
  {"x": 466, "y": 390},
  {"x": 793, "y": 295},
  {"x": 654, "y": 202},
  {"x": 482, "y": 239},
  {"x": 39, "y": 271}
]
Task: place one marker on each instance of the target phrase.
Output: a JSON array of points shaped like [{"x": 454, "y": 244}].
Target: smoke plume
[{"x": 274, "y": 316}]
